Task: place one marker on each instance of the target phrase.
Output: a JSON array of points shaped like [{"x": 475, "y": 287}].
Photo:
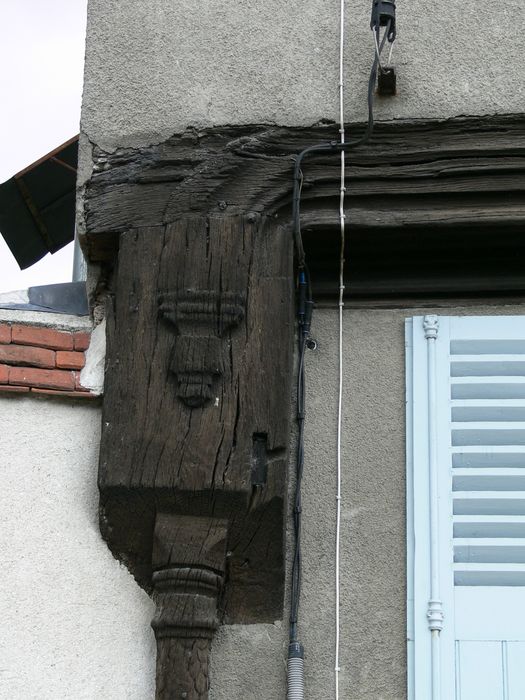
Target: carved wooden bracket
[
  {"x": 195, "y": 433},
  {"x": 200, "y": 317},
  {"x": 186, "y": 596}
]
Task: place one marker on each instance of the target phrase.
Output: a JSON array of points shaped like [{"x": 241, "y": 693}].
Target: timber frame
[{"x": 195, "y": 238}]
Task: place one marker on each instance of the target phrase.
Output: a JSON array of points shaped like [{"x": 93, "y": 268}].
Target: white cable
[
  {"x": 341, "y": 304},
  {"x": 390, "y": 53}
]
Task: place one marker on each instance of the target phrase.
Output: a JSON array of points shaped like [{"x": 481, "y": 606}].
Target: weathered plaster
[
  {"x": 154, "y": 68},
  {"x": 92, "y": 375},
  {"x": 74, "y": 622},
  {"x": 83, "y": 622},
  {"x": 373, "y": 549},
  {"x": 39, "y": 318}
]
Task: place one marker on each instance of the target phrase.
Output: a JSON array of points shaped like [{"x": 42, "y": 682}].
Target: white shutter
[{"x": 466, "y": 507}]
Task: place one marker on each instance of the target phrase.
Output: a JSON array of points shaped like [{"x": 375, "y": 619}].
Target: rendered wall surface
[
  {"x": 373, "y": 549},
  {"x": 154, "y": 68},
  {"x": 74, "y": 624}
]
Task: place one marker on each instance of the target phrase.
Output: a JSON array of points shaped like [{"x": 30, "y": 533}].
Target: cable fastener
[{"x": 384, "y": 14}]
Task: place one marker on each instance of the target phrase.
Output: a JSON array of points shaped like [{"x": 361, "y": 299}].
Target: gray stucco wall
[
  {"x": 249, "y": 663},
  {"x": 73, "y": 622},
  {"x": 154, "y": 68}
]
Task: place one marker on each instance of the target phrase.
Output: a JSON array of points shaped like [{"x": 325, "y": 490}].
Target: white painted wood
[
  {"x": 489, "y": 502},
  {"x": 489, "y": 575},
  {"x": 507, "y": 550},
  {"x": 487, "y": 347},
  {"x": 473, "y": 383},
  {"x": 488, "y": 387},
  {"x": 488, "y": 479},
  {"x": 488, "y": 434},
  {"x": 489, "y": 525},
  {"x": 410, "y": 507},
  {"x": 505, "y": 620},
  {"x": 488, "y": 456},
  {"x": 515, "y": 665},
  {"x": 487, "y": 366},
  {"x": 480, "y": 410},
  {"x": 435, "y": 604},
  {"x": 480, "y": 671},
  {"x": 418, "y": 485}
]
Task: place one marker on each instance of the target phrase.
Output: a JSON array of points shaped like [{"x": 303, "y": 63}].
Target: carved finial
[
  {"x": 431, "y": 326},
  {"x": 435, "y": 615}
]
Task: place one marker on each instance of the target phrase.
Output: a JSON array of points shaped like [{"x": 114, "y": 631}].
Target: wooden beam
[{"x": 196, "y": 427}]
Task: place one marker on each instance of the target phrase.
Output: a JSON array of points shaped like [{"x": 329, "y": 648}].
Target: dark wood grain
[
  {"x": 195, "y": 234},
  {"x": 411, "y": 165},
  {"x": 189, "y": 561},
  {"x": 157, "y": 452}
]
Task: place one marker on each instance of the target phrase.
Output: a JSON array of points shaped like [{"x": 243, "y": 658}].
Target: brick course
[
  {"x": 81, "y": 340},
  {"x": 70, "y": 360},
  {"x": 25, "y": 355},
  {"x": 42, "y": 378},
  {"x": 42, "y": 337},
  {"x": 4, "y": 374},
  {"x": 42, "y": 361},
  {"x": 5, "y": 333}
]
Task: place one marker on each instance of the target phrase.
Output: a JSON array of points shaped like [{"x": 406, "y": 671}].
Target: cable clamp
[{"x": 384, "y": 15}]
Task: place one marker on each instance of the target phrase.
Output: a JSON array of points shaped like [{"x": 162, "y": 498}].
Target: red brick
[
  {"x": 14, "y": 389},
  {"x": 4, "y": 374},
  {"x": 42, "y": 337},
  {"x": 81, "y": 340},
  {"x": 42, "y": 378},
  {"x": 67, "y": 394},
  {"x": 70, "y": 360},
  {"x": 5, "y": 333},
  {"x": 24, "y": 355}
]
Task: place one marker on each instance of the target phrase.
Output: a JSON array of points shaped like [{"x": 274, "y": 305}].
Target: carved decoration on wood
[
  {"x": 186, "y": 597},
  {"x": 193, "y": 458},
  {"x": 200, "y": 318},
  {"x": 200, "y": 334}
]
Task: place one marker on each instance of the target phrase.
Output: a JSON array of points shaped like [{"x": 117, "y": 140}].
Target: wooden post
[
  {"x": 193, "y": 455},
  {"x": 186, "y": 596}
]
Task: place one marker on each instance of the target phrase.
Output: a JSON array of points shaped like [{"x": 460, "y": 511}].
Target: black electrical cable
[{"x": 304, "y": 312}]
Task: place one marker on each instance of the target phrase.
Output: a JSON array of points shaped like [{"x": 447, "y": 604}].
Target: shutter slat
[
  {"x": 489, "y": 526},
  {"x": 489, "y": 550},
  {"x": 489, "y": 503},
  {"x": 505, "y": 456},
  {"x": 488, "y": 479},
  {"x": 487, "y": 366},
  {"x": 488, "y": 387},
  {"x": 487, "y": 347},
  {"x": 488, "y": 410},
  {"x": 488, "y": 433},
  {"x": 468, "y": 574}
]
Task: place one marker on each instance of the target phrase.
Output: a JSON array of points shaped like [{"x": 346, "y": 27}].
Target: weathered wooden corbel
[
  {"x": 186, "y": 595},
  {"x": 193, "y": 455},
  {"x": 200, "y": 318}
]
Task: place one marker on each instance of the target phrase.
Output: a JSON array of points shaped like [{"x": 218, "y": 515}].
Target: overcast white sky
[{"x": 41, "y": 67}]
